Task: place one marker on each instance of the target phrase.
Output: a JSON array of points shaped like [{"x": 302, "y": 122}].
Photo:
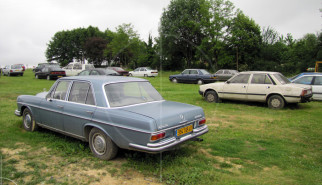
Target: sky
[{"x": 26, "y": 27}]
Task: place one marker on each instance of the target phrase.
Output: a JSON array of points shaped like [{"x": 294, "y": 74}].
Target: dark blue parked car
[{"x": 199, "y": 76}]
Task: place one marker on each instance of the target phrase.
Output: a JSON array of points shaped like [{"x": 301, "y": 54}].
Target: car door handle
[
  {"x": 60, "y": 106},
  {"x": 89, "y": 112}
]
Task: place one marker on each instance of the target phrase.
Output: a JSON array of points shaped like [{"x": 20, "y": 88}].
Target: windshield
[
  {"x": 130, "y": 93},
  {"x": 282, "y": 79},
  {"x": 204, "y": 72}
]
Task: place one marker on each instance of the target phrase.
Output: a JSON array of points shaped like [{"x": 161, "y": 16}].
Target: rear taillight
[
  {"x": 11, "y": 71},
  {"x": 158, "y": 136},
  {"x": 304, "y": 92},
  {"x": 202, "y": 122}
]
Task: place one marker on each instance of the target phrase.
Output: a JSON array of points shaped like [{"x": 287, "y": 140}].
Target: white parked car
[
  {"x": 73, "y": 69},
  {"x": 267, "y": 87},
  {"x": 313, "y": 79},
  {"x": 11, "y": 70},
  {"x": 144, "y": 71}
]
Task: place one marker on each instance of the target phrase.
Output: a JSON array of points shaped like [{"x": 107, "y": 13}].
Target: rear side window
[
  {"x": 81, "y": 92},
  {"x": 61, "y": 90},
  {"x": 260, "y": 79}
]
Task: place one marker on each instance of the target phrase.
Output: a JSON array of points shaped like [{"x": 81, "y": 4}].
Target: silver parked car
[
  {"x": 313, "y": 79},
  {"x": 112, "y": 112},
  {"x": 11, "y": 70},
  {"x": 267, "y": 87}
]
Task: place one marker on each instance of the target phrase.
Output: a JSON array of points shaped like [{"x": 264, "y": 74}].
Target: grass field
[{"x": 247, "y": 143}]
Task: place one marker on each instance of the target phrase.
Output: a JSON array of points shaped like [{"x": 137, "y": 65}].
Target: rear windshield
[
  {"x": 130, "y": 93},
  {"x": 16, "y": 66},
  {"x": 281, "y": 78}
]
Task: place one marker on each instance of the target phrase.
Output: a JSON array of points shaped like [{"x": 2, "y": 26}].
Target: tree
[
  {"x": 94, "y": 50},
  {"x": 180, "y": 32},
  {"x": 67, "y": 46},
  {"x": 245, "y": 40}
]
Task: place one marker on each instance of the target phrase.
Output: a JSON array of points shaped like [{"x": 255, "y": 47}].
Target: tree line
[{"x": 210, "y": 34}]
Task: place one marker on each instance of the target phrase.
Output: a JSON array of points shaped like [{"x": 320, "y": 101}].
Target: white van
[{"x": 73, "y": 69}]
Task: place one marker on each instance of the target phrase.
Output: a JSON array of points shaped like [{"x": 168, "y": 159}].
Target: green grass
[{"x": 247, "y": 143}]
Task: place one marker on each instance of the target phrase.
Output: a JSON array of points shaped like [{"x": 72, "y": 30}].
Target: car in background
[
  {"x": 144, "y": 71},
  {"x": 73, "y": 69},
  {"x": 112, "y": 112},
  {"x": 99, "y": 71},
  {"x": 119, "y": 70},
  {"x": 258, "y": 86},
  {"x": 225, "y": 74},
  {"x": 50, "y": 72},
  {"x": 40, "y": 66},
  {"x": 313, "y": 79},
  {"x": 13, "y": 70},
  {"x": 199, "y": 76},
  {"x": 23, "y": 67}
]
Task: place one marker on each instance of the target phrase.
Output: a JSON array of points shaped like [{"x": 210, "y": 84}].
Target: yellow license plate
[
  {"x": 184, "y": 130},
  {"x": 59, "y": 76}
]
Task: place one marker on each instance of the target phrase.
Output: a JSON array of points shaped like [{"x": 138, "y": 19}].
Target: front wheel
[
  {"x": 200, "y": 82},
  {"x": 212, "y": 96},
  {"x": 145, "y": 75},
  {"x": 101, "y": 145},
  {"x": 174, "y": 80},
  {"x": 276, "y": 102},
  {"x": 29, "y": 123}
]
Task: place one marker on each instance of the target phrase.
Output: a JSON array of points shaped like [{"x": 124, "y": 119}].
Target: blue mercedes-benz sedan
[{"x": 112, "y": 112}]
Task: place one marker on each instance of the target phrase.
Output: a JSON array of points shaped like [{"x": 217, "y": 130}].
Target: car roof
[
  {"x": 255, "y": 72},
  {"x": 101, "y": 79},
  {"x": 309, "y": 73}
]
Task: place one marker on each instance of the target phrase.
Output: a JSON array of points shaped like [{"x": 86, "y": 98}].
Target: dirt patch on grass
[{"x": 40, "y": 166}]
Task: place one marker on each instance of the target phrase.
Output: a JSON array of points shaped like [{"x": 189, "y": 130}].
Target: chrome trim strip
[
  {"x": 165, "y": 142},
  {"x": 60, "y": 131},
  {"x": 167, "y": 146}
]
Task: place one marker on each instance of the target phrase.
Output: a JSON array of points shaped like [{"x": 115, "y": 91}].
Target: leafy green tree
[
  {"x": 180, "y": 32},
  {"x": 245, "y": 40},
  {"x": 94, "y": 50}
]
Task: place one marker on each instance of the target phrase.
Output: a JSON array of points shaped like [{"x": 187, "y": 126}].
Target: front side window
[
  {"x": 77, "y": 66},
  {"x": 83, "y": 73},
  {"x": 81, "y": 93},
  {"x": 260, "y": 79},
  {"x": 130, "y": 93},
  {"x": 61, "y": 90},
  {"x": 241, "y": 78},
  {"x": 193, "y": 72},
  {"x": 204, "y": 72},
  {"x": 226, "y": 72},
  {"x": 304, "y": 80},
  {"x": 318, "y": 80},
  {"x": 137, "y": 69},
  {"x": 69, "y": 66},
  {"x": 219, "y": 72},
  {"x": 95, "y": 73}
]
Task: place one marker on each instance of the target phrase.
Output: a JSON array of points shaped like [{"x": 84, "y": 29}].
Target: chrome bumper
[
  {"x": 17, "y": 113},
  {"x": 169, "y": 143}
]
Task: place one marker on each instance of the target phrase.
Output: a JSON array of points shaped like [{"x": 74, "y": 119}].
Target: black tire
[
  {"x": 145, "y": 75},
  {"x": 21, "y": 74},
  {"x": 101, "y": 145},
  {"x": 200, "y": 82},
  {"x": 275, "y": 102},
  {"x": 212, "y": 96},
  {"x": 28, "y": 121},
  {"x": 174, "y": 80}
]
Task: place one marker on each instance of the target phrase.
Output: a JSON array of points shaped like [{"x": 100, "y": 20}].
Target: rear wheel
[
  {"x": 174, "y": 80},
  {"x": 101, "y": 145},
  {"x": 212, "y": 96},
  {"x": 29, "y": 123},
  {"x": 275, "y": 102},
  {"x": 145, "y": 75}
]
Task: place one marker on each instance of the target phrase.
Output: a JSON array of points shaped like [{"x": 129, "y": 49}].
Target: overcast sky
[{"x": 27, "y": 26}]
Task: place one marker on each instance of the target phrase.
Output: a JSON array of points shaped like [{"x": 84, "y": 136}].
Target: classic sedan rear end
[{"x": 112, "y": 112}]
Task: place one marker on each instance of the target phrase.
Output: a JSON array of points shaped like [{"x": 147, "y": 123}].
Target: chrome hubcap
[
  {"x": 99, "y": 144},
  {"x": 27, "y": 121},
  {"x": 275, "y": 103},
  {"x": 210, "y": 97}
]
